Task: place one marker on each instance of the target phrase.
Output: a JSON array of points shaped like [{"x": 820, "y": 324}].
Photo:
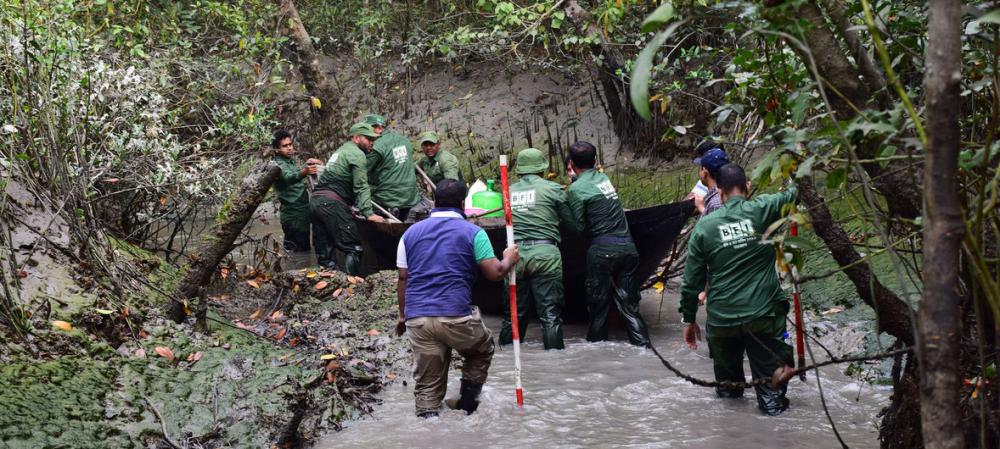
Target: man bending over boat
[
  {"x": 612, "y": 259},
  {"x": 391, "y": 173},
  {"x": 344, "y": 183},
  {"x": 538, "y": 206},
  {"x": 746, "y": 306},
  {"x": 438, "y": 260}
]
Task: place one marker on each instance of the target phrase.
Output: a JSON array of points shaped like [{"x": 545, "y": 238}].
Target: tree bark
[
  {"x": 313, "y": 77},
  {"x": 892, "y": 313},
  {"x": 629, "y": 128},
  {"x": 873, "y": 76},
  {"x": 233, "y": 217},
  {"x": 848, "y": 95},
  {"x": 941, "y": 306}
]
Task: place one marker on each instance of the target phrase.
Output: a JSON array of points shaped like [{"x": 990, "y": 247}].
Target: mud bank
[{"x": 281, "y": 362}]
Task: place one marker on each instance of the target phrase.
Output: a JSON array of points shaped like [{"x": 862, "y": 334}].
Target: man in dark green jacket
[
  {"x": 537, "y": 206},
  {"x": 746, "y": 306},
  {"x": 438, "y": 164},
  {"x": 391, "y": 174},
  {"x": 292, "y": 194},
  {"x": 344, "y": 183},
  {"x": 612, "y": 259}
]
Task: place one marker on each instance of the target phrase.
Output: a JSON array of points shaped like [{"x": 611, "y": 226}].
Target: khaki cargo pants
[{"x": 433, "y": 339}]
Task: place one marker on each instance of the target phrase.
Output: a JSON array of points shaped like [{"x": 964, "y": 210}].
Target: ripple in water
[{"x": 614, "y": 394}]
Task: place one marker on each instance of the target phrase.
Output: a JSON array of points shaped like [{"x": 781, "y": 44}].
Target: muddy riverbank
[{"x": 282, "y": 361}]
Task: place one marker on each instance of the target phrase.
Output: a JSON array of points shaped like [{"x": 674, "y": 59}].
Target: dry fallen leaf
[
  {"x": 311, "y": 274},
  {"x": 253, "y": 283},
  {"x": 320, "y": 285},
  {"x": 140, "y": 353},
  {"x": 195, "y": 357},
  {"x": 374, "y": 332},
  {"x": 353, "y": 280},
  {"x": 337, "y": 292},
  {"x": 224, "y": 272},
  {"x": 256, "y": 314},
  {"x": 281, "y": 334},
  {"x": 165, "y": 352},
  {"x": 295, "y": 288},
  {"x": 330, "y": 378},
  {"x": 22, "y": 274},
  {"x": 328, "y": 356},
  {"x": 277, "y": 315},
  {"x": 62, "y": 325}
]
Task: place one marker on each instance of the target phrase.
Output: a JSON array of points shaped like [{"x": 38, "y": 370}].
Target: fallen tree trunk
[{"x": 233, "y": 217}]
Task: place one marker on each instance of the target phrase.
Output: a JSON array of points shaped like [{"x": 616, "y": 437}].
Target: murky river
[{"x": 613, "y": 394}]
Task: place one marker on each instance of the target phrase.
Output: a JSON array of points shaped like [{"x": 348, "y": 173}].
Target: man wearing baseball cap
[
  {"x": 538, "y": 206},
  {"x": 344, "y": 183},
  {"x": 390, "y": 171},
  {"x": 438, "y": 164},
  {"x": 710, "y": 162}
]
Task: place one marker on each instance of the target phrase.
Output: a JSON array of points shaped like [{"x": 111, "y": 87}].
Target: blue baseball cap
[{"x": 713, "y": 159}]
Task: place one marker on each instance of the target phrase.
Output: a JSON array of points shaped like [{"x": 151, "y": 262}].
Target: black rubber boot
[
  {"x": 352, "y": 263},
  {"x": 427, "y": 415},
  {"x": 771, "y": 401},
  {"x": 468, "y": 399}
]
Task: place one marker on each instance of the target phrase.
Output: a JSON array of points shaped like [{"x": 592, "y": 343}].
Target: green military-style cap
[
  {"x": 375, "y": 120},
  {"x": 428, "y": 136},
  {"x": 531, "y": 160},
  {"x": 362, "y": 129}
]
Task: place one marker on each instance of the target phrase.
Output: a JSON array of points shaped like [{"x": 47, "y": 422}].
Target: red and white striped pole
[
  {"x": 505, "y": 187},
  {"x": 800, "y": 345}
]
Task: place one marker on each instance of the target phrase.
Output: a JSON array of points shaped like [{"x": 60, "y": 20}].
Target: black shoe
[
  {"x": 427, "y": 415},
  {"x": 468, "y": 399},
  {"x": 771, "y": 401}
]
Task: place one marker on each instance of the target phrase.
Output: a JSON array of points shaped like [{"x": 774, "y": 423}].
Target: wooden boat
[{"x": 653, "y": 229}]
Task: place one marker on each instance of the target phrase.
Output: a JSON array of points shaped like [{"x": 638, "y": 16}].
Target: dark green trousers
[
  {"x": 539, "y": 281},
  {"x": 762, "y": 340},
  {"x": 295, "y": 223},
  {"x": 335, "y": 229},
  {"x": 611, "y": 278}
]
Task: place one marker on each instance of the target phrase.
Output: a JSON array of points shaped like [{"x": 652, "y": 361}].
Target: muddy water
[{"x": 614, "y": 394}]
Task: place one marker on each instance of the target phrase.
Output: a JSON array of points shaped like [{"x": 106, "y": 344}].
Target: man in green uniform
[
  {"x": 391, "y": 174},
  {"x": 537, "y": 206},
  {"x": 746, "y": 307},
  {"x": 612, "y": 259},
  {"x": 344, "y": 183},
  {"x": 291, "y": 190},
  {"x": 438, "y": 164}
]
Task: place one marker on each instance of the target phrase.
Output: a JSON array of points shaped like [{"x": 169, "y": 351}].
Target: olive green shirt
[
  {"x": 390, "y": 172},
  {"x": 725, "y": 248},
  {"x": 346, "y": 174},
  {"x": 443, "y": 165},
  {"x": 290, "y": 185},
  {"x": 595, "y": 207},
  {"x": 537, "y": 206}
]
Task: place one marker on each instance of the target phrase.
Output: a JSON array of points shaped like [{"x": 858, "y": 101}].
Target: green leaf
[
  {"x": 642, "y": 71},
  {"x": 800, "y": 242},
  {"x": 836, "y": 178},
  {"x": 888, "y": 151},
  {"x": 990, "y": 17},
  {"x": 806, "y": 167},
  {"x": 661, "y": 15}
]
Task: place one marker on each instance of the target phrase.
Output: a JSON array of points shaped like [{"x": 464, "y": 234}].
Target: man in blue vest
[{"x": 438, "y": 260}]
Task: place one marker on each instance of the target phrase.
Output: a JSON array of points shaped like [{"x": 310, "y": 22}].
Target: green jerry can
[{"x": 488, "y": 199}]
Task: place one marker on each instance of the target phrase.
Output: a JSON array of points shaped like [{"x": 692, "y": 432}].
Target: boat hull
[{"x": 653, "y": 230}]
